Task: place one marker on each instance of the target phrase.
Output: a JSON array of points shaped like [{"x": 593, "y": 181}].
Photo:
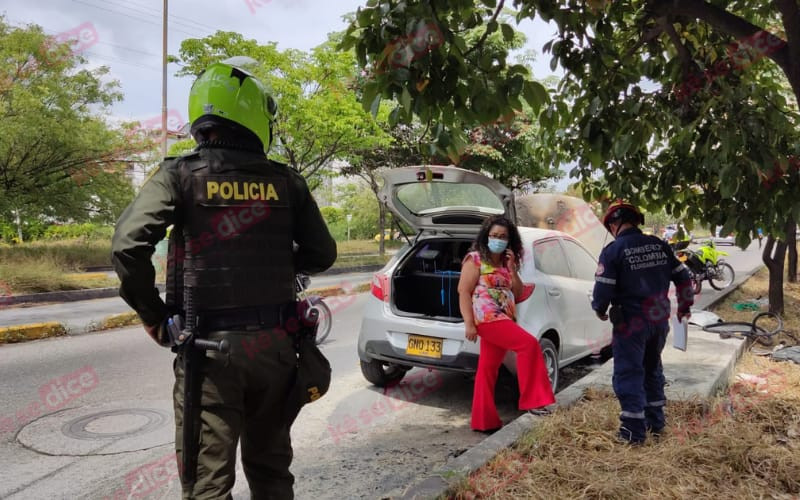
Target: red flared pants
[{"x": 497, "y": 338}]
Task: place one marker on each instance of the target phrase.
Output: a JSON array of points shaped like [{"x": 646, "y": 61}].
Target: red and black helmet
[{"x": 620, "y": 211}]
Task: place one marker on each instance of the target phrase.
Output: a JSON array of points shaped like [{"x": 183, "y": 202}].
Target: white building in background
[
  {"x": 325, "y": 193},
  {"x": 138, "y": 169}
]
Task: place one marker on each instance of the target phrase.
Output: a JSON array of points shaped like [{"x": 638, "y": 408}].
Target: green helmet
[{"x": 227, "y": 91}]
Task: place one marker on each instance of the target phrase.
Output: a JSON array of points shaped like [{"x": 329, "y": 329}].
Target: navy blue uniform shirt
[{"x": 635, "y": 271}]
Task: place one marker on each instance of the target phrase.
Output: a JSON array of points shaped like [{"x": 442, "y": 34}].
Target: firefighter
[
  {"x": 248, "y": 224},
  {"x": 633, "y": 276}
]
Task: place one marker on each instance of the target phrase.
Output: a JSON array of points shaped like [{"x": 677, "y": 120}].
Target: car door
[
  {"x": 583, "y": 267},
  {"x": 562, "y": 292}
]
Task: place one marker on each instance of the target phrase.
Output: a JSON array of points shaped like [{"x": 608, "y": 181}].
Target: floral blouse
[{"x": 492, "y": 299}]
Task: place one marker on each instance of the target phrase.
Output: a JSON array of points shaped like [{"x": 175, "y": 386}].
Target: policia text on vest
[
  {"x": 225, "y": 190},
  {"x": 243, "y": 191}
]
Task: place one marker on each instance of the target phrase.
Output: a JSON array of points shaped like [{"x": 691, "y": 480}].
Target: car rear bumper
[
  {"x": 380, "y": 349},
  {"x": 384, "y": 335}
]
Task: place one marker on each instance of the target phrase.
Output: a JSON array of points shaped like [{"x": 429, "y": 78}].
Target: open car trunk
[{"x": 425, "y": 284}]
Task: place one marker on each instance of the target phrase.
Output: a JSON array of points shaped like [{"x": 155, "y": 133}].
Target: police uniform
[
  {"x": 241, "y": 213},
  {"x": 634, "y": 275}
]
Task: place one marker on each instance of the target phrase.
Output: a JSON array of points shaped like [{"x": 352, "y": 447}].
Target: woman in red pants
[{"x": 487, "y": 287}]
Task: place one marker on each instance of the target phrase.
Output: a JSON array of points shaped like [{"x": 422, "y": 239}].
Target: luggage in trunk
[{"x": 426, "y": 283}]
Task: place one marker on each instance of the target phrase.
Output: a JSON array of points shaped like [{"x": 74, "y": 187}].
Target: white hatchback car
[{"x": 412, "y": 318}]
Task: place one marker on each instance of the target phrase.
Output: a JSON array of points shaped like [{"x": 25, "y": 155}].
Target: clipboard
[{"x": 680, "y": 333}]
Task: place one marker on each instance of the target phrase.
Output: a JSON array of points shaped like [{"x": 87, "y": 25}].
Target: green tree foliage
[
  {"x": 359, "y": 202},
  {"x": 622, "y": 107},
  {"x": 58, "y": 157},
  {"x": 681, "y": 104},
  {"x": 401, "y": 151},
  {"x": 180, "y": 147},
  {"x": 511, "y": 152},
  {"x": 319, "y": 117}
]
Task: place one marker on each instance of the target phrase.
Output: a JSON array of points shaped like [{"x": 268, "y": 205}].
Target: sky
[{"x": 126, "y": 36}]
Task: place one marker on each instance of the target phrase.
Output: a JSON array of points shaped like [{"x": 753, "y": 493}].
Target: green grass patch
[
  {"x": 50, "y": 266},
  {"x": 69, "y": 255},
  {"x": 364, "y": 246},
  {"x": 45, "y": 274}
]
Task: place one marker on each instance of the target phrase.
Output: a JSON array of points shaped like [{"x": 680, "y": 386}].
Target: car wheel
[
  {"x": 382, "y": 374},
  {"x": 550, "y": 353}
]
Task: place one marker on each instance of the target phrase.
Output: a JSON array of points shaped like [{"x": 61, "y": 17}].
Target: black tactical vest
[{"x": 234, "y": 229}]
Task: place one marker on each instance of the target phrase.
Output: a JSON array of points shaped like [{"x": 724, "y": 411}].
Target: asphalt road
[{"x": 90, "y": 416}]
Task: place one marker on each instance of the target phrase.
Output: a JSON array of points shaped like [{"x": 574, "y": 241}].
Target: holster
[{"x": 312, "y": 376}]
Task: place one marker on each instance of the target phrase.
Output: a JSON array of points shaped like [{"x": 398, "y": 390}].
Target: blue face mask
[{"x": 497, "y": 246}]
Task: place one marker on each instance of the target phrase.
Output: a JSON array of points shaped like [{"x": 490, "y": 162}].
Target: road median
[{"x": 35, "y": 331}]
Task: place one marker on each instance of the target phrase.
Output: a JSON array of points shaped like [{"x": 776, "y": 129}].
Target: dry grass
[
  {"x": 45, "y": 274},
  {"x": 745, "y": 444}
]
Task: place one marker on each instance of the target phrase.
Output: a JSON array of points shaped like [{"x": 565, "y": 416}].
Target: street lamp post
[{"x": 164, "y": 84}]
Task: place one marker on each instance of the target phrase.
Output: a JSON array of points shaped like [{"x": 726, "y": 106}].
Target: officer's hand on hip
[
  {"x": 682, "y": 315},
  {"x": 161, "y": 334},
  {"x": 602, "y": 316}
]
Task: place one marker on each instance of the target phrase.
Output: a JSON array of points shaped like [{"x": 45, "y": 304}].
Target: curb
[
  {"x": 34, "y": 331},
  {"x": 457, "y": 469}
]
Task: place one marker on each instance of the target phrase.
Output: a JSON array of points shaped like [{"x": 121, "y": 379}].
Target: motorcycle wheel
[
  {"x": 325, "y": 321},
  {"x": 722, "y": 276}
]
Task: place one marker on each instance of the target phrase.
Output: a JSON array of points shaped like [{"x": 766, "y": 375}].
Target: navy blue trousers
[{"x": 639, "y": 376}]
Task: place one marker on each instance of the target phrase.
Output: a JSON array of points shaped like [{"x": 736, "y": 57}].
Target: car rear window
[{"x": 428, "y": 197}]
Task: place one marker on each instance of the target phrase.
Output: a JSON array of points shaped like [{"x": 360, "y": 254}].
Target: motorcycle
[{"x": 705, "y": 264}]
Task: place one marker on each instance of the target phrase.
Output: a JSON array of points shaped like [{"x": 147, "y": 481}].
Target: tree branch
[
  {"x": 722, "y": 20},
  {"x": 790, "y": 11},
  {"x": 485, "y": 35},
  {"x": 686, "y": 57}
]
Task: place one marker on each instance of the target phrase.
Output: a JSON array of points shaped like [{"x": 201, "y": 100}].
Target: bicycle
[
  {"x": 315, "y": 302},
  {"x": 751, "y": 330}
]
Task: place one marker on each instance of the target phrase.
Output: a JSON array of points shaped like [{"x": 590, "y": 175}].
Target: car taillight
[
  {"x": 380, "y": 287},
  {"x": 527, "y": 291}
]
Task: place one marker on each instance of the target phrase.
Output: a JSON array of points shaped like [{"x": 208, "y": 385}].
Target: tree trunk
[
  {"x": 19, "y": 226},
  {"x": 381, "y": 226},
  {"x": 774, "y": 256},
  {"x": 791, "y": 246}
]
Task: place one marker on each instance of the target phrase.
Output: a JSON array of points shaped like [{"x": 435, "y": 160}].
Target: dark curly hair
[{"x": 481, "y": 243}]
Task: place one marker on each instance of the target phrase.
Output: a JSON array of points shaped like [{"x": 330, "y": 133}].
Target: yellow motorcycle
[{"x": 705, "y": 264}]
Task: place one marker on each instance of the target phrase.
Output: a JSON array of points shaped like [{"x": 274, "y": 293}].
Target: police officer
[
  {"x": 248, "y": 224},
  {"x": 634, "y": 275}
]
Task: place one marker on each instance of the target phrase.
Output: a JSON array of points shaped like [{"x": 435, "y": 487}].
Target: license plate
[{"x": 424, "y": 346}]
